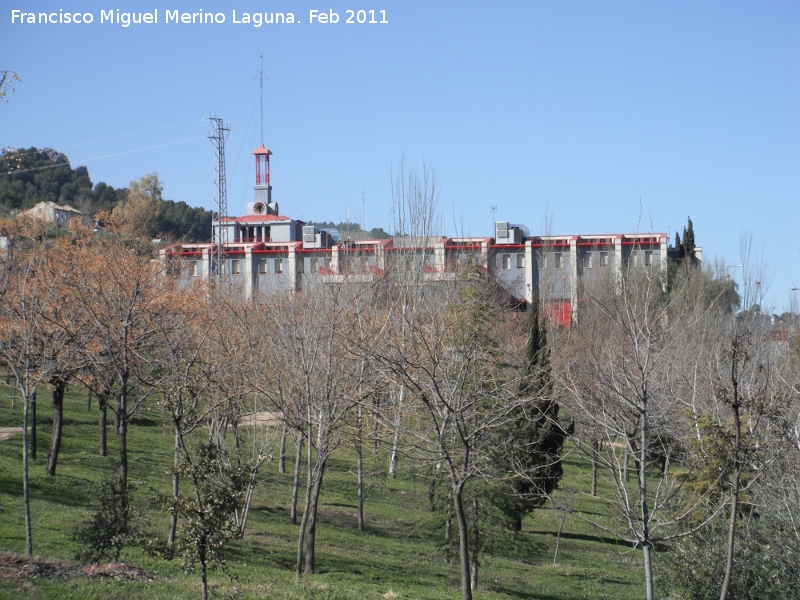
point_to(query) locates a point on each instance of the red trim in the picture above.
(465, 247)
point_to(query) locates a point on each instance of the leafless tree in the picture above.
(32, 344)
(619, 367)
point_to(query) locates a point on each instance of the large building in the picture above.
(263, 252)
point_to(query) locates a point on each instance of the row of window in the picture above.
(590, 260)
(264, 266)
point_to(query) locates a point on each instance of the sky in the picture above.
(567, 117)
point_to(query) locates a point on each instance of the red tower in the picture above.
(262, 165)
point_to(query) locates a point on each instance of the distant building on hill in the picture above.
(265, 252)
(52, 212)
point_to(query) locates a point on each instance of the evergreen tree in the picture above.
(530, 453)
(687, 245)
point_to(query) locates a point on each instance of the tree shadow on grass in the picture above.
(612, 541)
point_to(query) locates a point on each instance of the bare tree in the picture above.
(619, 370)
(31, 343)
(463, 378)
(124, 294)
(314, 383)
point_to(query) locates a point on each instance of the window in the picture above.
(326, 262)
(235, 266)
(634, 260)
(520, 261)
(559, 258)
(312, 265)
(543, 262)
(301, 266)
(604, 259)
(262, 266)
(648, 258)
(278, 266)
(587, 260)
(193, 269)
(506, 262)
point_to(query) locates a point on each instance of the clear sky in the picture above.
(609, 116)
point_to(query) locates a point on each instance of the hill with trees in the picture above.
(33, 175)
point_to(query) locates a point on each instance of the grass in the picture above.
(397, 557)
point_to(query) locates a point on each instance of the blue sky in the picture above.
(608, 116)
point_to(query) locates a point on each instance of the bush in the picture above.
(113, 527)
(766, 562)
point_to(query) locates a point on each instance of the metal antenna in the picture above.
(261, 82)
(494, 210)
(220, 233)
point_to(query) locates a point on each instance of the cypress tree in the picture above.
(531, 452)
(687, 247)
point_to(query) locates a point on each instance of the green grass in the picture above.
(397, 557)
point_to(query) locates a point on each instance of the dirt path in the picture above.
(261, 418)
(7, 432)
(16, 568)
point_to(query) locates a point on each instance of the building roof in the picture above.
(52, 205)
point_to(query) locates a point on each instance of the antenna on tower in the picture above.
(261, 85)
(494, 211)
(220, 233)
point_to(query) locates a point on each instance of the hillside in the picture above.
(400, 555)
(33, 175)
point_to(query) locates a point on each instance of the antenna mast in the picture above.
(261, 83)
(220, 231)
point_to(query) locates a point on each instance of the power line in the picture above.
(85, 160)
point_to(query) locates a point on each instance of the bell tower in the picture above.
(263, 188)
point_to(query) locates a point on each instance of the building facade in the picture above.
(52, 212)
(266, 252)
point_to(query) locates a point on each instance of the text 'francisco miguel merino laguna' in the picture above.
(257, 19)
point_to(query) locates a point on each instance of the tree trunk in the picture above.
(473, 582)
(102, 401)
(665, 464)
(26, 488)
(432, 491)
(643, 504)
(58, 423)
(648, 570)
(89, 400)
(737, 473)
(173, 519)
(396, 438)
(376, 402)
(203, 571)
(463, 543)
(296, 484)
(122, 418)
(626, 473)
(360, 468)
(301, 538)
(595, 461)
(33, 426)
(448, 523)
(311, 537)
(247, 501)
(282, 455)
